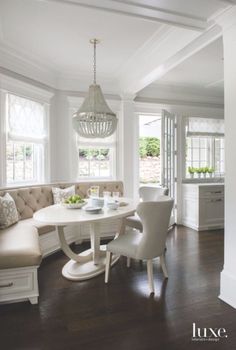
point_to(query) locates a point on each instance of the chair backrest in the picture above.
(155, 217)
(149, 193)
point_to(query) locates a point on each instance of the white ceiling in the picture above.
(58, 35)
(203, 70)
(52, 36)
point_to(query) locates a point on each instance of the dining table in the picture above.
(90, 262)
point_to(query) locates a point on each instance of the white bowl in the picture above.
(97, 202)
(113, 205)
(73, 205)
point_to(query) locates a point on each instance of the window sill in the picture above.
(202, 180)
(22, 184)
(96, 179)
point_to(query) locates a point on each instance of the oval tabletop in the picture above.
(58, 215)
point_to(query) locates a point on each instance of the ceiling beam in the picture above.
(167, 49)
(144, 12)
(231, 2)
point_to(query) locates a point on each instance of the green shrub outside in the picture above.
(149, 147)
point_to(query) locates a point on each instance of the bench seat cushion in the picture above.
(19, 246)
(41, 228)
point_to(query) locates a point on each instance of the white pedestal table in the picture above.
(91, 262)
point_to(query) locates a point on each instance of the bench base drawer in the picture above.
(19, 284)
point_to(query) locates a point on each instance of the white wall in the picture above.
(62, 149)
(228, 275)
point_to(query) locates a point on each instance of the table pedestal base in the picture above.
(80, 271)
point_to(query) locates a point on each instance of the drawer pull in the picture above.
(216, 192)
(216, 200)
(6, 285)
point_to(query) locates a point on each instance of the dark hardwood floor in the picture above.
(122, 315)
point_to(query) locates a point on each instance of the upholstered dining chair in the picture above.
(150, 244)
(146, 193)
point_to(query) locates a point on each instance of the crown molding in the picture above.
(170, 102)
(21, 88)
(165, 92)
(227, 18)
(17, 61)
(178, 88)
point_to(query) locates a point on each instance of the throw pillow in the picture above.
(60, 195)
(8, 211)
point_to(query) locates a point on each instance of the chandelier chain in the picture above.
(94, 61)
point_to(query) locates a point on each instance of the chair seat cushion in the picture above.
(126, 244)
(135, 222)
(19, 246)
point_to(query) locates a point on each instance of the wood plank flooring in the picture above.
(122, 315)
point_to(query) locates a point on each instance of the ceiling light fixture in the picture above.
(94, 119)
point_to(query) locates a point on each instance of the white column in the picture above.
(228, 275)
(130, 146)
(60, 138)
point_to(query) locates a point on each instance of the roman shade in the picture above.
(205, 127)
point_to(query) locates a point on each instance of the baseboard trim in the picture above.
(228, 288)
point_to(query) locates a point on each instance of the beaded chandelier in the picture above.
(94, 119)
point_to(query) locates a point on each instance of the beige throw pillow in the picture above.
(8, 211)
(60, 195)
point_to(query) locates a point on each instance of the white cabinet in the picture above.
(203, 206)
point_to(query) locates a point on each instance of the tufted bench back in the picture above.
(30, 199)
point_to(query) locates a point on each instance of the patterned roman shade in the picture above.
(205, 127)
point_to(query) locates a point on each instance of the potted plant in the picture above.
(210, 171)
(205, 171)
(191, 171)
(199, 171)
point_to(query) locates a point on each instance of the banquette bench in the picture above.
(24, 244)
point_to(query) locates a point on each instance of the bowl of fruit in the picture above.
(74, 202)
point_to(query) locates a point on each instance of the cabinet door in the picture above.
(211, 213)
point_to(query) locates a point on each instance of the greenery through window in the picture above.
(149, 148)
(204, 157)
(95, 162)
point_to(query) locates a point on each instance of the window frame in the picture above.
(36, 94)
(211, 156)
(74, 104)
(98, 145)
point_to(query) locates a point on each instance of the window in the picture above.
(149, 149)
(26, 136)
(204, 147)
(96, 157)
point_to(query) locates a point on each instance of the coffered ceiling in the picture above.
(48, 40)
(203, 70)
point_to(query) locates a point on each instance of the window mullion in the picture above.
(14, 160)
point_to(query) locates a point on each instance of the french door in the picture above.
(168, 155)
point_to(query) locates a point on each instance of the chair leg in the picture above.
(108, 265)
(150, 275)
(163, 265)
(128, 262)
